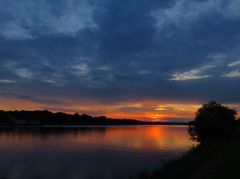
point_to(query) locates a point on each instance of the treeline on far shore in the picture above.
(45, 117)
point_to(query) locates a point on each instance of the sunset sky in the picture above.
(142, 59)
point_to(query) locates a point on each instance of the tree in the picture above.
(213, 122)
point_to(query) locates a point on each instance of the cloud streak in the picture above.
(235, 63)
(232, 74)
(194, 74)
(30, 19)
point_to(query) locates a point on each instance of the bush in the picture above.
(213, 122)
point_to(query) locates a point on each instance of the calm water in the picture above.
(88, 152)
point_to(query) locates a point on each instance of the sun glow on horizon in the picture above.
(141, 110)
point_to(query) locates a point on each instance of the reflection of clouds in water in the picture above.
(89, 152)
(122, 138)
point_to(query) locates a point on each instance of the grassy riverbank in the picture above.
(218, 160)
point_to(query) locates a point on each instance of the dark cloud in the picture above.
(112, 51)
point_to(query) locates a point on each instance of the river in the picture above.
(106, 152)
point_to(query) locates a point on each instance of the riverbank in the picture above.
(218, 160)
(44, 118)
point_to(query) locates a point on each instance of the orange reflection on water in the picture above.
(150, 137)
(142, 138)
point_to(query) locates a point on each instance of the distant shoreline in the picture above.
(83, 126)
(47, 118)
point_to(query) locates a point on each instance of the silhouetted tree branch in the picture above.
(213, 122)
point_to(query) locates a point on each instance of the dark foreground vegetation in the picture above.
(218, 160)
(216, 156)
(41, 118)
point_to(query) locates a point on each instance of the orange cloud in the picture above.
(143, 110)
